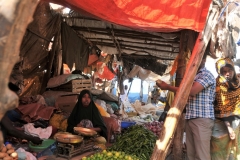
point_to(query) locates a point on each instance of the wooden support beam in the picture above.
(141, 47)
(15, 15)
(140, 42)
(137, 38)
(188, 37)
(129, 33)
(163, 55)
(143, 57)
(174, 114)
(169, 36)
(116, 43)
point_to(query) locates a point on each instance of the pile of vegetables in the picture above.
(154, 126)
(137, 140)
(105, 155)
(8, 153)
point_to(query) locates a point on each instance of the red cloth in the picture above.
(151, 15)
(107, 74)
(34, 111)
(92, 58)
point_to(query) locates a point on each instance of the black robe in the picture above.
(91, 113)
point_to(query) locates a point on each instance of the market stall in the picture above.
(49, 42)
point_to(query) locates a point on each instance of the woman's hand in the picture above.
(36, 140)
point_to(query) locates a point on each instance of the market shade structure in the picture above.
(150, 15)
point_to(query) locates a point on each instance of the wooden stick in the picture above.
(174, 114)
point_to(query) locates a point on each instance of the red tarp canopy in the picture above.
(151, 15)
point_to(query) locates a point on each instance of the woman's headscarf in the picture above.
(227, 91)
(226, 62)
(91, 113)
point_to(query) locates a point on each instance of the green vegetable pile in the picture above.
(137, 140)
(110, 155)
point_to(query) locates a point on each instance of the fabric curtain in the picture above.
(75, 50)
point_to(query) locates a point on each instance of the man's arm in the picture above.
(11, 130)
(196, 87)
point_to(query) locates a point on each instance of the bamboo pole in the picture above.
(174, 114)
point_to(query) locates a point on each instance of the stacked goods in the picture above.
(8, 153)
(154, 126)
(111, 155)
(102, 111)
(137, 140)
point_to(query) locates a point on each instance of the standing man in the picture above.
(199, 112)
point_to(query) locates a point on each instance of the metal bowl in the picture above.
(84, 131)
(69, 138)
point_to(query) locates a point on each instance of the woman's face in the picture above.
(86, 99)
(227, 72)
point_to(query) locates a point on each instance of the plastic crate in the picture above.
(127, 124)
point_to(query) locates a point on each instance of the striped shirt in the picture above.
(201, 105)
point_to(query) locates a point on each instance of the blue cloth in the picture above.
(14, 115)
(201, 105)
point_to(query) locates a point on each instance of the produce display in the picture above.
(154, 126)
(8, 153)
(109, 155)
(136, 140)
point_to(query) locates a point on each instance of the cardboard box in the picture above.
(66, 103)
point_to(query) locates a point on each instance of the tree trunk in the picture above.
(188, 38)
(174, 114)
(15, 15)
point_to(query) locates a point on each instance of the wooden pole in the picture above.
(15, 15)
(141, 91)
(188, 37)
(174, 114)
(129, 88)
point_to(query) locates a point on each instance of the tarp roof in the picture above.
(151, 15)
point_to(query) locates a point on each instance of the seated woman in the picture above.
(227, 108)
(86, 114)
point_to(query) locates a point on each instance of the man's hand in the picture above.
(162, 85)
